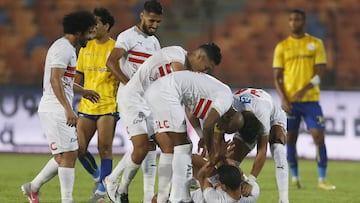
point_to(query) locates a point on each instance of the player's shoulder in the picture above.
(312, 38)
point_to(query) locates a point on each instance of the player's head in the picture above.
(297, 21)
(252, 127)
(229, 177)
(81, 24)
(204, 58)
(104, 20)
(231, 121)
(151, 17)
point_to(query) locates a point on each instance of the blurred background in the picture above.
(246, 30)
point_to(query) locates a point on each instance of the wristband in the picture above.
(217, 130)
(252, 178)
(315, 80)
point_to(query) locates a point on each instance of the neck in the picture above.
(72, 39)
(103, 39)
(297, 35)
(235, 194)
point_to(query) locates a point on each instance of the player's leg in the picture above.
(293, 125)
(277, 147)
(315, 121)
(86, 127)
(106, 130)
(182, 168)
(132, 164)
(165, 166)
(148, 167)
(66, 172)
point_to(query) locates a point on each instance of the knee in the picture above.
(105, 151)
(138, 154)
(81, 151)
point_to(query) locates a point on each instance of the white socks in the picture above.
(165, 175)
(281, 171)
(119, 169)
(182, 173)
(130, 171)
(149, 174)
(66, 178)
(47, 173)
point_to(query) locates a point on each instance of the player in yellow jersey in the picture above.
(101, 116)
(299, 62)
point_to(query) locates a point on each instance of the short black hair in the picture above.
(153, 6)
(230, 176)
(252, 128)
(299, 11)
(79, 21)
(213, 51)
(105, 16)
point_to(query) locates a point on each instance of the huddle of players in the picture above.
(160, 92)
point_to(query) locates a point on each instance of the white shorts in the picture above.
(61, 137)
(136, 115)
(279, 118)
(168, 112)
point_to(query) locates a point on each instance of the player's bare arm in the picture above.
(260, 157)
(56, 83)
(90, 95)
(113, 64)
(279, 85)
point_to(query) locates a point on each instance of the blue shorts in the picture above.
(96, 117)
(311, 112)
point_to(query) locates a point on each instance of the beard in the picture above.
(146, 30)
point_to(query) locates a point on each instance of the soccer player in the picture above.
(100, 116)
(56, 114)
(273, 120)
(298, 65)
(136, 113)
(204, 97)
(133, 46)
(222, 183)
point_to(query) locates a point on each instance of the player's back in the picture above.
(156, 66)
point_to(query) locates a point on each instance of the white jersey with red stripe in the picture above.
(199, 92)
(138, 45)
(61, 54)
(132, 101)
(262, 105)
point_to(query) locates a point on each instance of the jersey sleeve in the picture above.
(60, 58)
(212, 196)
(124, 41)
(320, 57)
(278, 60)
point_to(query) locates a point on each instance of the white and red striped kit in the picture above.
(134, 109)
(199, 92)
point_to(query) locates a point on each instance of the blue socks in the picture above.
(89, 163)
(321, 159)
(106, 167)
(292, 159)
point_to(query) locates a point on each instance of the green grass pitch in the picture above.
(17, 169)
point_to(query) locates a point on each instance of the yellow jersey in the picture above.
(297, 58)
(92, 63)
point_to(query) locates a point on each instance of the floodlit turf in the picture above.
(17, 169)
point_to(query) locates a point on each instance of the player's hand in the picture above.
(91, 96)
(286, 106)
(71, 118)
(202, 148)
(299, 94)
(245, 189)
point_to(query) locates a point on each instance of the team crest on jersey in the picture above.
(140, 118)
(311, 46)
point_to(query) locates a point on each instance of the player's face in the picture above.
(230, 122)
(150, 22)
(85, 37)
(101, 29)
(296, 23)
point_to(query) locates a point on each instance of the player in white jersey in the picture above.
(55, 111)
(136, 113)
(273, 118)
(224, 183)
(133, 46)
(206, 98)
